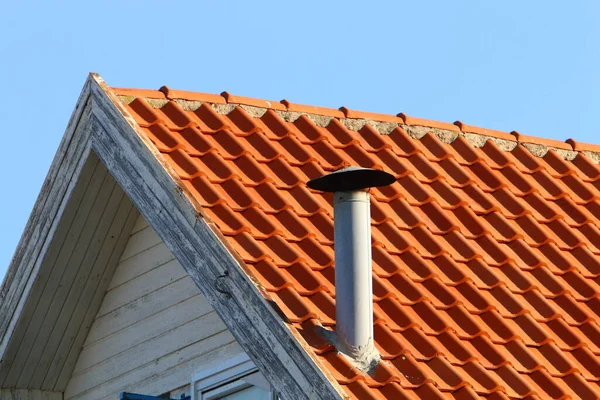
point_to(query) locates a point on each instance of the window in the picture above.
(137, 396)
(236, 378)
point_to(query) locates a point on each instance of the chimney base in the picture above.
(365, 358)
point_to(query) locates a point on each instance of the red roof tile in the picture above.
(483, 131)
(147, 93)
(192, 96)
(425, 122)
(248, 101)
(485, 261)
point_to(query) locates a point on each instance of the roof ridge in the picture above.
(445, 131)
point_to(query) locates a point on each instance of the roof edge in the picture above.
(355, 120)
(139, 168)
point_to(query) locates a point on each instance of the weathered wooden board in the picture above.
(175, 367)
(59, 377)
(145, 261)
(60, 288)
(152, 187)
(146, 353)
(144, 330)
(27, 394)
(148, 311)
(141, 286)
(140, 224)
(141, 308)
(45, 216)
(70, 293)
(140, 241)
(94, 289)
(55, 264)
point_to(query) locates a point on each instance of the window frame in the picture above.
(227, 377)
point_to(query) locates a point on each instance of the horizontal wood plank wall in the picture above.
(153, 329)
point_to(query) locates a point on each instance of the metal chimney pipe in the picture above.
(352, 242)
(353, 281)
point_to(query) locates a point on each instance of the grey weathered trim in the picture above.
(98, 125)
(43, 221)
(254, 323)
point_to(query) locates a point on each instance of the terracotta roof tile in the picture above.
(483, 131)
(583, 146)
(140, 93)
(248, 101)
(354, 114)
(428, 123)
(302, 108)
(542, 141)
(172, 94)
(485, 256)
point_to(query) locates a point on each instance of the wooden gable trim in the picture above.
(98, 125)
(56, 190)
(53, 288)
(152, 186)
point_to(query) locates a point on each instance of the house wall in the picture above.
(153, 329)
(64, 291)
(26, 394)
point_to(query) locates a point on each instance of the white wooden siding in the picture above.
(73, 277)
(153, 329)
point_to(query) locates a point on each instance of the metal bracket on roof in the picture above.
(219, 283)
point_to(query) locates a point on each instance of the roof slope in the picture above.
(486, 271)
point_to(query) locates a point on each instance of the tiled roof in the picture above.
(485, 251)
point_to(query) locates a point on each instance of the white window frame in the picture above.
(226, 377)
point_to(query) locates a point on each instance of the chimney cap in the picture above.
(350, 179)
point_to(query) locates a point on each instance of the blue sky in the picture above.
(511, 65)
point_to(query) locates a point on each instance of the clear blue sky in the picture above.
(530, 66)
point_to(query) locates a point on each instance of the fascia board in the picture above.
(152, 186)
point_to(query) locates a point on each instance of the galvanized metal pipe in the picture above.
(353, 269)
